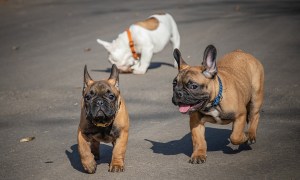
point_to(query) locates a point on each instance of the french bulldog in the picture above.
(133, 49)
(230, 91)
(104, 118)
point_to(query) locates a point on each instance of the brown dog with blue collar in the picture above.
(230, 91)
(104, 118)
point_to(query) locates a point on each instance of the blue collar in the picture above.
(219, 96)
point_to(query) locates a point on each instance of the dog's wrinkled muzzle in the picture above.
(99, 114)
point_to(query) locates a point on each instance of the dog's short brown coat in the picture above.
(115, 132)
(242, 77)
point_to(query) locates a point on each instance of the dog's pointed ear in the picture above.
(87, 80)
(209, 61)
(180, 62)
(114, 76)
(105, 44)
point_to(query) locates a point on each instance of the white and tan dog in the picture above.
(133, 49)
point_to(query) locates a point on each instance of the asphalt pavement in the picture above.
(44, 46)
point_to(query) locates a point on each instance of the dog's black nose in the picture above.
(179, 94)
(100, 103)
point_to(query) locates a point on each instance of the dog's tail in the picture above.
(175, 38)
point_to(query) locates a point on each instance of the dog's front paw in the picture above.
(116, 168)
(199, 159)
(90, 167)
(135, 71)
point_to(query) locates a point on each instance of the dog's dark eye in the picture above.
(174, 82)
(192, 85)
(111, 97)
(87, 97)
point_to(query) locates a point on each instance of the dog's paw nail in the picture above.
(116, 169)
(198, 160)
(111, 169)
(249, 142)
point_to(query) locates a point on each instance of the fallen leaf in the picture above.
(48, 162)
(15, 48)
(27, 139)
(87, 49)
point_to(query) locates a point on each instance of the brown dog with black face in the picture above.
(230, 91)
(104, 118)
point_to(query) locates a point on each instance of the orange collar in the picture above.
(135, 55)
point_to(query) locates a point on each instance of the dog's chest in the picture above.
(218, 116)
(215, 114)
(103, 134)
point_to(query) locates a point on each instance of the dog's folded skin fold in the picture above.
(234, 90)
(104, 118)
(149, 37)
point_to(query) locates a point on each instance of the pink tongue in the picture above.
(184, 108)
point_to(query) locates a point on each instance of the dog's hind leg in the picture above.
(253, 123)
(175, 37)
(253, 111)
(238, 136)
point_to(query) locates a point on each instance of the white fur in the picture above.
(146, 43)
(214, 114)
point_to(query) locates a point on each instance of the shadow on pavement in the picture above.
(217, 140)
(153, 65)
(181, 146)
(73, 156)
